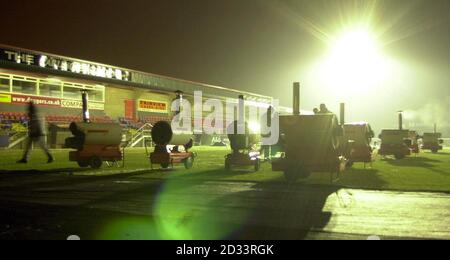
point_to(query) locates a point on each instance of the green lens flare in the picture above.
(183, 212)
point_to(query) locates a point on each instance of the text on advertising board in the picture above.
(62, 64)
(46, 101)
(152, 106)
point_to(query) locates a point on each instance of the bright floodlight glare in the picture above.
(254, 127)
(355, 63)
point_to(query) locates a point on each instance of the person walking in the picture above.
(36, 135)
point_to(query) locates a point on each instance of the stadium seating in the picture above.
(17, 117)
(129, 123)
(154, 119)
(136, 124)
(8, 118)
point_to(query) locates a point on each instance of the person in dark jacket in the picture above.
(36, 135)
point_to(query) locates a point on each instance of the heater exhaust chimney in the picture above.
(342, 117)
(435, 128)
(85, 100)
(179, 99)
(296, 104)
(241, 109)
(239, 128)
(400, 120)
(269, 116)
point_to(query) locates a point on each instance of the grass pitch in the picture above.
(426, 172)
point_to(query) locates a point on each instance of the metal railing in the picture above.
(17, 139)
(142, 135)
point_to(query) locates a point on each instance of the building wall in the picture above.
(115, 98)
(114, 101)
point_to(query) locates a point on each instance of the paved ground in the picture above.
(133, 206)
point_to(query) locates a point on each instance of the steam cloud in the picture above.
(430, 114)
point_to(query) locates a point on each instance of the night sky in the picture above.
(254, 45)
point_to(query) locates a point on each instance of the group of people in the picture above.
(323, 110)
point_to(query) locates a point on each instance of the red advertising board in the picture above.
(130, 109)
(152, 106)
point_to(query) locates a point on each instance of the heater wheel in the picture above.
(290, 175)
(257, 165)
(165, 165)
(295, 172)
(434, 150)
(399, 156)
(83, 164)
(349, 164)
(188, 162)
(227, 164)
(96, 162)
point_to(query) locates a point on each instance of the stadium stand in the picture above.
(8, 118)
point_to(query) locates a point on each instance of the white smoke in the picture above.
(430, 114)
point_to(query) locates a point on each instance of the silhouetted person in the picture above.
(36, 135)
(324, 109)
(316, 111)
